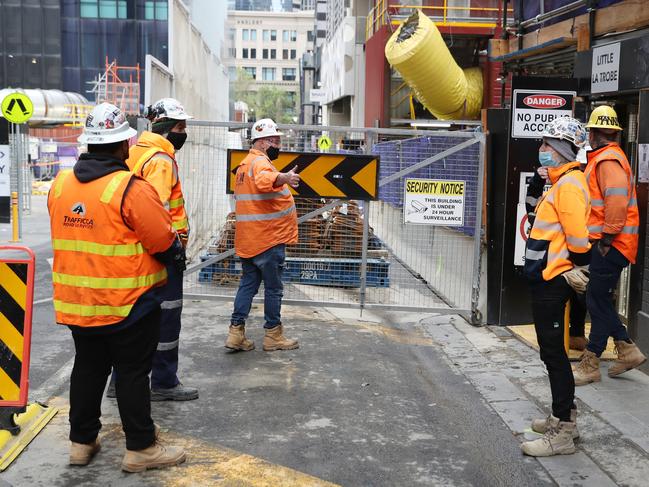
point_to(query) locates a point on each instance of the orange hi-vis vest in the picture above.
(100, 267)
(559, 237)
(139, 156)
(263, 218)
(627, 240)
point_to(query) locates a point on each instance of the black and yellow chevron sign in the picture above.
(13, 303)
(344, 176)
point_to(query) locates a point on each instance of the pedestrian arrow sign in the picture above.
(344, 176)
(17, 108)
(324, 143)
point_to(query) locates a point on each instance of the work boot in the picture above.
(178, 393)
(82, 453)
(629, 357)
(577, 343)
(237, 339)
(275, 340)
(155, 456)
(557, 440)
(543, 425)
(587, 370)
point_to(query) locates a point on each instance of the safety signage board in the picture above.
(17, 107)
(434, 202)
(324, 143)
(605, 70)
(5, 167)
(535, 108)
(522, 224)
(344, 176)
(16, 294)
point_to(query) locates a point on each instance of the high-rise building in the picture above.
(263, 5)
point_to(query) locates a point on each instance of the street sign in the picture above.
(344, 176)
(317, 95)
(17, 108)
(324, 143)
(605, 69)
(532, 109)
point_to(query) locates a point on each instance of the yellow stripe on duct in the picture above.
(417, 50)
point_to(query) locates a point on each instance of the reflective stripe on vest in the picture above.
(262, 196)
(97, 248)
(92, 310)
(109, 282)
(176, 203)
(265, 216)
(58, 184)
(180, 224)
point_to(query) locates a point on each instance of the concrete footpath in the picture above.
(386, 399)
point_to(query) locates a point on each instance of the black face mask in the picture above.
(272, 152)
(177, 139)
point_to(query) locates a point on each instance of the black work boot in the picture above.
(178, 393)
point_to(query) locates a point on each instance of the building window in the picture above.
(264, 53)
(245, 53)
(252, 72)
(285, 35)
(232, 52)
(273, 53)
(309, 36)
(266, 35)
(288, 74)
(253, 53)
(321, 16)
(253, 34)
(232, 34)
(245, 35)
(268, 74)
(284, 53)
(156, 10)
(273, 35)
(103, 9)
(293, 54)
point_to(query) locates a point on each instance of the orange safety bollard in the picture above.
(19, 422)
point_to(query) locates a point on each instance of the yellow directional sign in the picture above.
(344, 176)
(324, 143)
(17, 108)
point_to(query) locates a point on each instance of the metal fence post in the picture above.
(476, 316)
(366, 233)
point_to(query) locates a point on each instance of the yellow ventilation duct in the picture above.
(417, 50)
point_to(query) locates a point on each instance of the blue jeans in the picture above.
(604, 276)
(267, 267)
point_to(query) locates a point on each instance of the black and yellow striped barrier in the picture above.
(19, 422)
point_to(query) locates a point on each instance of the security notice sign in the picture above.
(434, 202)
(535, 108)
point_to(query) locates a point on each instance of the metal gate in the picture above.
(350, 253)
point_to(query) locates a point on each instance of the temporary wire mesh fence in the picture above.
(350, 253)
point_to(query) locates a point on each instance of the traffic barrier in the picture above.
(20, 422)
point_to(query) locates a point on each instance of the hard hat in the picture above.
(604, 117)
(166, 108)
(566, 128)
(264, 128)
(106, 124)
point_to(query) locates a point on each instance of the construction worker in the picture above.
(266, 220)
(577, 339)
(613, 227)
(153, 158)
(556, 255)
(112, 239)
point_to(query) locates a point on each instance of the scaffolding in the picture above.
(119, 85)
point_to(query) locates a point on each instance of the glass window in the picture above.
(285, 35)
(293, 54)
(252, 72)
(149, 10)
(231, 34)
(268, 74)
(288, 74)
(232, 52)
(89, 9)
(273, 53)
(253, 34)
(245, 35)
(264, 53)
(245, 53)
(284, 53)
(273, 35)
(266, 35)
(253, 53)
(161, 10)
(309, 36)
(293, 35)
(121, 9)
(107, 9)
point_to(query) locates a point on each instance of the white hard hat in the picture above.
(106, 124)
(167, 108)
(264, 128)
(566, 128)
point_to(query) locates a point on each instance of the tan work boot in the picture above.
(237, 339)
(587, 370)
(557, 440)
(577, 343)
(543, 425)
(629, 357)
(155, 456)
(275, 340)
(82, 453)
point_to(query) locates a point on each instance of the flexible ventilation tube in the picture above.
(417, 50)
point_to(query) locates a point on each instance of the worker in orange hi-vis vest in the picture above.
(613, 228)
(266, 220)
(112, 239)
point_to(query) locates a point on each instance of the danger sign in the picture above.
(434, 202)
(533, 109)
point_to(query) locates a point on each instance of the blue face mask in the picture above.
(545, 158)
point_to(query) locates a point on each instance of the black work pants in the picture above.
(130, 352)
(548, 307)
(578, 312)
